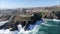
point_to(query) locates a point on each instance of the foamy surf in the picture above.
(55, 20)
(50, 26)
(3, 22)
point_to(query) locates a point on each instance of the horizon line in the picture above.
(29, 7)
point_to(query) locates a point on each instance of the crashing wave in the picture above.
(50, 26)
(3, 22)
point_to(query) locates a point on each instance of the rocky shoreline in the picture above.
(26, 20)
(13, 24)
(37, 16)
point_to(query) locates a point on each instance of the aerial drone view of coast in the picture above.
(29, 16)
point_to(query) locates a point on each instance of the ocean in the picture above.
(49, 26)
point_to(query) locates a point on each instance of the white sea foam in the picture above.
(20, 30)
(55, 20)
(34, 31)
(3, 22)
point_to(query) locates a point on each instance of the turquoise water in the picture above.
(50, 26)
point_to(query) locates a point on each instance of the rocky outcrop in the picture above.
(10, 25)
(13, 24)
(36, 17)
(57, 13)
(50, 15)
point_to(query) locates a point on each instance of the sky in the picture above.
(27, 3)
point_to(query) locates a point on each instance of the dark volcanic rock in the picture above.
(57, 13)
(23, 23)
(36, 17)
(10, 25)
(13, 24)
